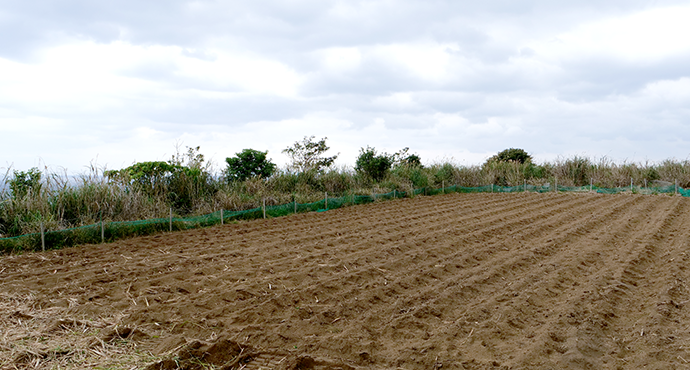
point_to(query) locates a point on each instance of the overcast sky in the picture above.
(116, 82)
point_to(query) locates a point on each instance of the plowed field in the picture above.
(460, 281)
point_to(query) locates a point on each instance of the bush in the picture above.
(372, 164)
(25, 183)
(308, 156)
(512, 155)
(247, 164)
(445, 173)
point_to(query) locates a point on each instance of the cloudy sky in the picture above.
(114, 82)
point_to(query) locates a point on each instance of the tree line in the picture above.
(185, 183)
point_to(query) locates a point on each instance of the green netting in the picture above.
(110, 231)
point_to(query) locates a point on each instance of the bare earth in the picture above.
(460, 281)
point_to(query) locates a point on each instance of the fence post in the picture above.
(43, 237)
(556, 187)
(591, 182)
(170, 218)
(524, 185)
(492, 188)
(221, 216)
(676, 180)
(263, 207)
(326, 200)
(443, 186)
(395, 196)
(645, 183)
(102, 230)
(631, 184)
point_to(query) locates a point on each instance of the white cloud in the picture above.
(646, 36)
(446, 79)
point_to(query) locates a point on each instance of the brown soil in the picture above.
(461, 281)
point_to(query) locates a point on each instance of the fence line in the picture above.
(110, 231)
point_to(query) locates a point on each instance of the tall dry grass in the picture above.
(63, 202)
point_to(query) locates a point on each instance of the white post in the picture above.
(631, 184)
(263, 207)
(221, 216)
(645, 183)
(43, 237)
(170, 218)
(326, 200)
(591, 182)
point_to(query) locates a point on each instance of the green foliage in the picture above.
(182, 181)
(372, 164)
(512, 155)
(151, 177)
(419, 178)
(249, 163)
(445, 174)
(25, 183)
(403, 158)
(307, 155)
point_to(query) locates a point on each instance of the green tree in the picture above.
(372, 164)
(512, 154)
(403, 158)
(308, 155)
(25, 183)
(247, 164)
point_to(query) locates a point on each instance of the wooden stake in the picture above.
(221, 216)
(43, 237)
(102, 229)
(326, 200)
(264, 206)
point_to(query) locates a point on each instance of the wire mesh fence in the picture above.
(111, 231)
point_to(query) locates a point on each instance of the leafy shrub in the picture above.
(372, 164)
(445, 173)
(308, 156)
(512, 155)
(25, 183)
(249, 163)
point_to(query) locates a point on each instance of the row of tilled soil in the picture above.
(458, 281)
